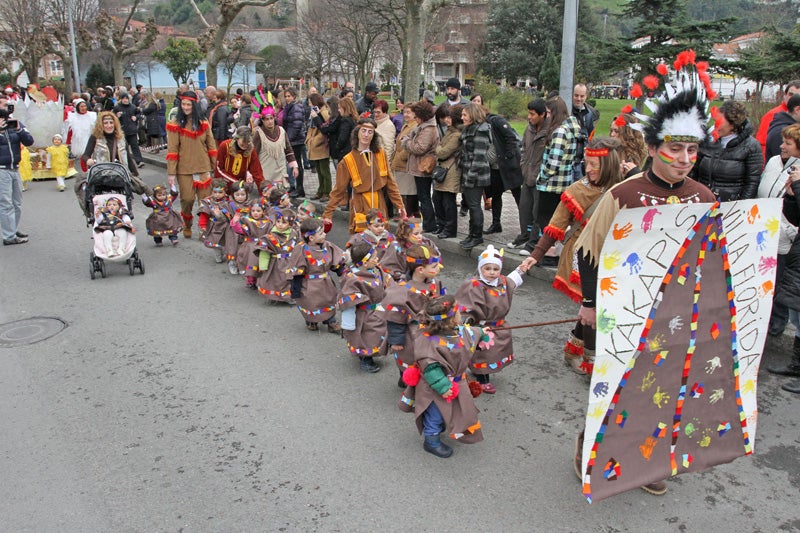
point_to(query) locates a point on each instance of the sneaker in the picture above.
(159, 244)
(232, 267)
(488, 388)
(21, 235)
(442, 451)
(218, 255)
(334, 327)
(174, 241)
(312, 326)
(524, 252)
(368, 364)
(659, 488)
(14, 240)
(140, 164)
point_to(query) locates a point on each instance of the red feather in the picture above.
(636, 91)
(627, 109)
(662, 69)
(620, 121)
(651, 82)
(702, 66)
(691, 56)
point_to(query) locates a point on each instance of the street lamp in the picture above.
(73, 48)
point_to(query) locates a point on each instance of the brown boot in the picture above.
(573, 355)
(588, 361)
(187, 225)
(187, 233)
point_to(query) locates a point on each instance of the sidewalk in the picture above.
(509, 220)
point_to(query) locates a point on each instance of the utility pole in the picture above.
(569, 36)
(76, 76)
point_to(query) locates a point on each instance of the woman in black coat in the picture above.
(731, 165)
(150, 109)
(339, 128)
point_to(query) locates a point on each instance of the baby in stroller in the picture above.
(114, 227)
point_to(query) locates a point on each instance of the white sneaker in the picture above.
(218, 255)
(232, 267)
(60, 183)
(523, 252)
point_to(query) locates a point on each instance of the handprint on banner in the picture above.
(601, 389)
(716, 396)
(656, 344)
(761, 240)
(749, 386)
(621, 233)
(767, 263)
(713, 364)
(646, 449)
(601, 370)
(605, 321)
(598, 412)
(608, 286)
(634, 263)
(772, 225)
(766, 289)
(610, 261)
(675, 323)
(647, 219)
(660, 398)
(753, 214)
(648, 380)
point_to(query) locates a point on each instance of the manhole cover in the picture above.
(29, 330)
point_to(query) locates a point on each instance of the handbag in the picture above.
(440, 173)
(427, 164)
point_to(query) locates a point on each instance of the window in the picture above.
(56, 67)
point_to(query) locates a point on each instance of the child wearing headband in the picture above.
(363, 320)
(275, 249)
(163, 220)
(405, 301)
(239, 205)
(438, 379)
(251, 227)
(485, 300)
(409, 233)
(373, 232)
(213, 217)
(310, 269)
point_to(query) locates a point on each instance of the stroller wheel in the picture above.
(102, 268)
(141, 266)
(92, 270)
(131, 267)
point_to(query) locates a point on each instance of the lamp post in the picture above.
(569, 35)
(73, 49)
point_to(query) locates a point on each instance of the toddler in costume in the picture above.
(214, 216)
(163, 220)
(114, 223)
(374, 232)
(485, 300)
(274, 250)
(442, 397)
(310, 266)
(25, 167)
(363, 320)
(305, 210)
(409, 233)
(58, 160)
(405, 303)
(240, 204)
(251, 227)
(276, 198)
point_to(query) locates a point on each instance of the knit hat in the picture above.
(490, 256)
(681, 112)
(453, 82)
(371, 87)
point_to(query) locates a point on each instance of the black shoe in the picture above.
(293, 194)
(14, 240)
(369, 365)
(519, 240)
(465, 240)
(22, 235)
(443, 450)
(785, 370)
(548, 261)
(472, 243)
(140, 164)
(463, 213)
(447, 235)
(494, 228)
(793, 386)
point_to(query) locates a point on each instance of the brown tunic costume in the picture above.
(368, 174)
(233, 239)
(379, 243)
(214, 234)
(315, 263)
(488, 306)
(246, 257)
(163, 221)
(453, 352)
(393, 260)
(364, 289)
(277, 246)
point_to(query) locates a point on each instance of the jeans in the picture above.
(472, 196)
(297, 183)
(133, 142)
(444, 203)
(432, 421)
(528, 199)
(10, 202)
(425, 203)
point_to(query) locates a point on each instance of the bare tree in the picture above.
(231, 61)
(122, 40)
(315, 41)
(85, 14)
(213, 41)
(22, 36)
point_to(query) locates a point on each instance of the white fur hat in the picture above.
(490, 256)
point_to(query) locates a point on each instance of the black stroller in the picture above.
(105, 181)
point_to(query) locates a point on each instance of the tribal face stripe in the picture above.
(665, 157)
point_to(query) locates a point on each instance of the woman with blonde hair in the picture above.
(633, 148)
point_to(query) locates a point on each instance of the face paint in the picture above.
(666, 158)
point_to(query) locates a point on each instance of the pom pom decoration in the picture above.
(326, 226)
(662, 69)
(455, 388)
(411, 376)
(651, 82)
(620, 121)
(636, 91)
(627, 109)
(475, 389)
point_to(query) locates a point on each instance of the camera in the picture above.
(12, 124)
(10, 108)
(316, 109)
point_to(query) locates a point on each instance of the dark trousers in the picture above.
(299, 150)
(444, 203)
(528, 204)
(472, 196)
(546, 206)
(133, 142)
(780, 313)
(585, 333)
(425, 202)
(495, 192)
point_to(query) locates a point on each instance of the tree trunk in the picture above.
(118, 69)
(415, 30)
(211, 70)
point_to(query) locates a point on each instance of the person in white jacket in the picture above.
(81, 124)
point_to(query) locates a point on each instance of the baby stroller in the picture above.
(105, 181)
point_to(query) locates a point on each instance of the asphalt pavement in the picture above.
(178, 400)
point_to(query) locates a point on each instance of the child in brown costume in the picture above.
(213, 217)
(409, 233)
(485, 300)
(405, 302)
(310, 270)
(443, 401)
(251, 227)
(240, 204)
(163, 220)
(363, 320)
(274, 253)
(374, 234)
